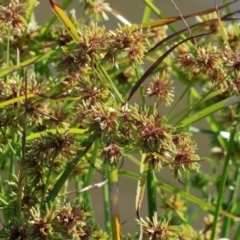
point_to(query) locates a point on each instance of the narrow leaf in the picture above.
(141, 185)
(15, 100)
(207, 111)
(76, 131)
(29, 62)
(165, 21)
(65, 20)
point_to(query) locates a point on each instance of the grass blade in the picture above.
(65, 20)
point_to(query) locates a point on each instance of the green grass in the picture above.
(60, 129)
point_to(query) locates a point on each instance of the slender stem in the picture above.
(78, 185)
(151, 194)
(224, 174)
(88, 177)
(113, 195)
(147, 12)
(237, 234)
(106, 204)
(181, 97)
(112, 85)
(70, 167)
(48, 177)
(231, 200)
(22, 164)
(4, 211)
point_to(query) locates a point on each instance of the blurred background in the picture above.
(133, 11)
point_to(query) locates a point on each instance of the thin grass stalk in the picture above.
(48, 177)
(141, 184)
(13, 157)
(65, 175)
(88, 178)
(237, 234)
(21, 180)
(106, 203)
(151, 194)
(224, 174)
(232, 199)
(183, 94)
(147, 12)
(111, 84)
(78, 186)
(5, 215)
(151, 7)
(201, 99)
(113, 197)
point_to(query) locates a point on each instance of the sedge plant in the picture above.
(67, 111)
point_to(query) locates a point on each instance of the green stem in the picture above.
(231, 200)
(193, 80)
(112, 85)
(113, 195)
(224, 174)
(48, 177)
(147, 12)
(106, 204)
(78, 185)
(70, 167)
(88, 177)
(4, 211)
(151, 194)
(237, 234)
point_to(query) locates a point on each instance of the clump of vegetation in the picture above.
(60, 127)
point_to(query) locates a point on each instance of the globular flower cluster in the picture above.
(96, 9)
(161, 88)
(134, 129)
(162, 142)
(153, 131)
(206, 60)
(159, 229)
(51, 145)
(185, 155)
(205, 233)
(49, 150)
(175, 204)
(13, 15)
(64, 221)
(111, 154)
(102, 120)
(96, 45)
(157, 34)
(221, 64)
(91, 91)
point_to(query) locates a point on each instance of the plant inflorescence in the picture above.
(67, 112)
